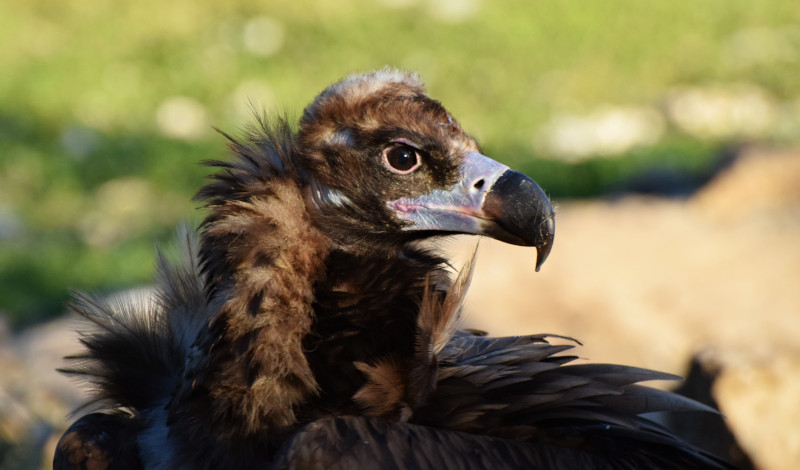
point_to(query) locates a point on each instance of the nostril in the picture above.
(478, 184)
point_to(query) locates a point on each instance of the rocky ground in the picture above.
(642, 281)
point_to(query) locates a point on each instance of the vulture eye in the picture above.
(401, 159)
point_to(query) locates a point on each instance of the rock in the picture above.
(35, 399)
(708, 431)
(760, 183)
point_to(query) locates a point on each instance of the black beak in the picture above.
(489, 199)
(519, 212)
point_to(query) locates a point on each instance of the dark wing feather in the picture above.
(99, 441)
(128, 357)
(358, 442)
(522, 388)
(136, 348)
(374, 443)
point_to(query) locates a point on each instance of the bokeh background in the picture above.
(666, 131)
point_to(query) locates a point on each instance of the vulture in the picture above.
(310, 321)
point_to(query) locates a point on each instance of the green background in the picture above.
(91, 179)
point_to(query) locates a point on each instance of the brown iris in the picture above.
(401, 158)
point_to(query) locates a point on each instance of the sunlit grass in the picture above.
(84, 83)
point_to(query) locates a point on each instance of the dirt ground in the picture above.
(640, 281)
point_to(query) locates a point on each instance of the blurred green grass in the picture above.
(90, 181)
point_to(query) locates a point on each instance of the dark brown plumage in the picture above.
(311, 326)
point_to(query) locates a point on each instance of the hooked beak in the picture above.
(490, 199)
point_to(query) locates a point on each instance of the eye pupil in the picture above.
(402, 158)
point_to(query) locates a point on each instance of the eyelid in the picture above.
(407, 142)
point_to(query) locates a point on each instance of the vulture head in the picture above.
(386, 165)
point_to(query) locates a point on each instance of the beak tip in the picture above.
(541, 255)
(548, 234)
